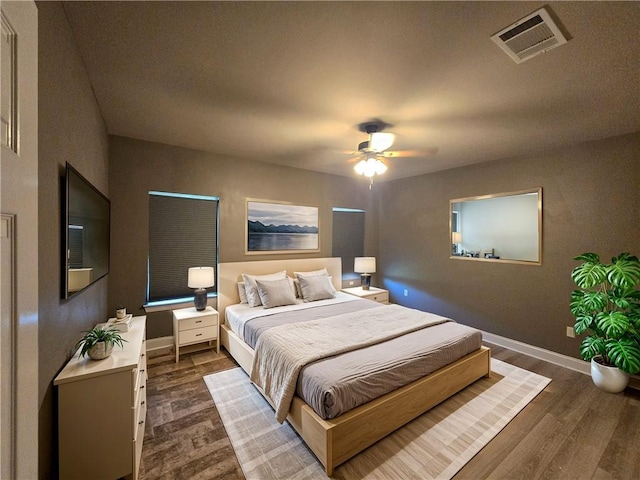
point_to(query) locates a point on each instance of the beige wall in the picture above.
(136, 167)
(70, 129)
(590, 203)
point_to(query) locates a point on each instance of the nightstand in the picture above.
(377, 294)
(191, 326)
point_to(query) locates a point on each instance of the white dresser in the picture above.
(102, 409)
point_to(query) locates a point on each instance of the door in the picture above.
(19, 242)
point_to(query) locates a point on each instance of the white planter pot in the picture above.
(100, 350)
(608, 379)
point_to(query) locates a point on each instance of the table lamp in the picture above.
(201, 278)
(365, 266)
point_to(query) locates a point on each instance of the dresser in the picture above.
(191, 326)
(377, 294)
(102, 409)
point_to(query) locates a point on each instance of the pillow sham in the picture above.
(322, 271)
(251, 289)
(275, 293)
(296, 285)
(315, 287)
(242, 292)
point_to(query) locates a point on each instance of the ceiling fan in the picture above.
(372, 152)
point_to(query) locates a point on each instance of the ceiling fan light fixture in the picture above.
(380, 167)
(370, 167)
(380, 141)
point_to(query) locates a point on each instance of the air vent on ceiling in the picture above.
(530, 36)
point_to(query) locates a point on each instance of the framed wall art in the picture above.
(281, 227)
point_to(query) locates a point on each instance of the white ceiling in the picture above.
(289, 82)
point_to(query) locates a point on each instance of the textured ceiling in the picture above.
(289, 82)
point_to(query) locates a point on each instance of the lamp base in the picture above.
(365, 281)
(200, 299)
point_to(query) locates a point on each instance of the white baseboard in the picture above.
(539, 353)
(160, 343)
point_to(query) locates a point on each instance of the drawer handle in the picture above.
(198, 321)
(141, 387)
(142, 371)
(142, 403)
(198, 334)
(140, 422)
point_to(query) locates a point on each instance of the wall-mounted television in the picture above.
(85, 232)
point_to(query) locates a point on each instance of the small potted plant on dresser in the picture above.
(98, 342)
(607, 307)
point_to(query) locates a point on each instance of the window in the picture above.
(183, 233)
(348, 239)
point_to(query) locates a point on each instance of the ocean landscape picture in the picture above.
(280, 227)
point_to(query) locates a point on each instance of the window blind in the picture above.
(348, 238)
(183, 233)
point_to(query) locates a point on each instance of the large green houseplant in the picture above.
(606, 307)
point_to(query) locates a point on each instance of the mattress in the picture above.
(335, 385)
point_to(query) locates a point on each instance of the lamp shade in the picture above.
(201, 277)
(364, 265)
(456, 237)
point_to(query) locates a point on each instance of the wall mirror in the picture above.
(502, 227)
(85, 258)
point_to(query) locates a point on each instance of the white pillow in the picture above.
(322, 271)
(251, 289)
(242, 292)
(275, 293)
(296, 285)
(315, 287)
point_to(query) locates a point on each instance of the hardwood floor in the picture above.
(571, 430)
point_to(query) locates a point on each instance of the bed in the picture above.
(335, 440)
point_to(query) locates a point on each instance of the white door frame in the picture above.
(19, 199)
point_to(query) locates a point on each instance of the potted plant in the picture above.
(607, 307)
(98, 342)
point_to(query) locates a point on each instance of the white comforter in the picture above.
(283, 351)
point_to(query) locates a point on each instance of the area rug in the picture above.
(435, 445)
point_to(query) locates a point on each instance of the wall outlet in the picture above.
(406, 292)
(571, 332)
(351, 282)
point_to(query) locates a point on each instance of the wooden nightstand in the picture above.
(377, 294)
(191, 326)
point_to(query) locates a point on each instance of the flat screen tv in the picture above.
(85, 230)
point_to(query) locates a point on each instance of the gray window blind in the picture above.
(183, 233)
(348, 238)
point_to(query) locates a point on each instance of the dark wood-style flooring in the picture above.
(571, 430)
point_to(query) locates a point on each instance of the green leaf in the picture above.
(590, 347)
(624, 271)
(589, 274)
(588, 257)
(613, 324)
(594, 301)
(583, 323)
(625, 354)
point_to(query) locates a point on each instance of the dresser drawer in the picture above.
(382, 297)
(203, 334)
(198, 322)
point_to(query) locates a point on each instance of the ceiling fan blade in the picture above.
(409, 153)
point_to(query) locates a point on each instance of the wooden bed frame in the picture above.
(335, 441)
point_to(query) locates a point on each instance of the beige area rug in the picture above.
(435, 445)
